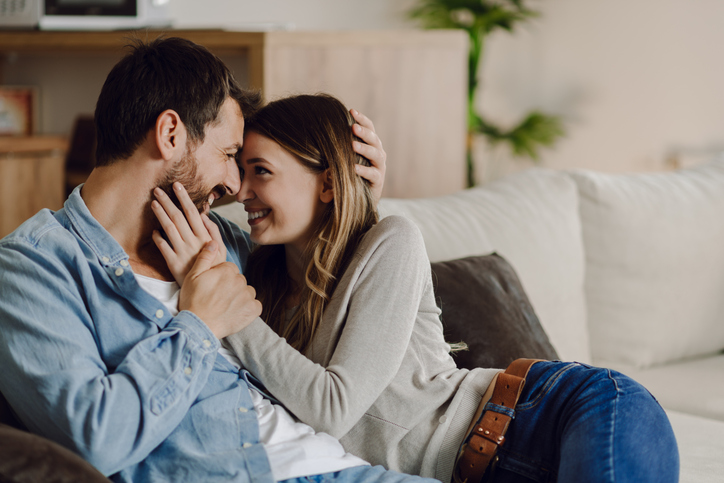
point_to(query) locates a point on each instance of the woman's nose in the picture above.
(245, 192)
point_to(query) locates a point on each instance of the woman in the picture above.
(353, 344)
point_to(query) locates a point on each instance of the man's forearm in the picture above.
(57, 382)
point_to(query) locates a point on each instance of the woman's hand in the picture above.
(187, 232)
(370, 149)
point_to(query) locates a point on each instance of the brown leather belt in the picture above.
(488, 433)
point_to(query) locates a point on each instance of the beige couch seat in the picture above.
(694, 386)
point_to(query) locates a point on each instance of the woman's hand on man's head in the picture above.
(372, 150)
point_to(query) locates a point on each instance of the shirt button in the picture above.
(188, 371)
(119, 272)
(247, 445)
(124, 263)
(442, 419)
(243, 410)
(159, 312)
(207, 343)
(105, 259)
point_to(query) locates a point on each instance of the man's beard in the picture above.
(186, 173)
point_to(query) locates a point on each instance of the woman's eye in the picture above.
(260, 170)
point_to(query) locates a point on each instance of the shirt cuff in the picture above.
(196, 329)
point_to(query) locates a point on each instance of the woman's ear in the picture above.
(170, 135)
(327, 193)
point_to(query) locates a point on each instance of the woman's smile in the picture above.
(256, 217)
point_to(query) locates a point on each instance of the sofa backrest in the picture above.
(532, 220)
(654, 248)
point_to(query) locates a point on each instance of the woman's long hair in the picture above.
(316, 129)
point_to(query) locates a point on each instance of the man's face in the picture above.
(209, 171)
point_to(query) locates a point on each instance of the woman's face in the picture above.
(283, 198)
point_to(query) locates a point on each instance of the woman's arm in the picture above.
(384, 286)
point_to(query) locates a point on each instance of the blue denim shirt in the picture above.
(95, 363)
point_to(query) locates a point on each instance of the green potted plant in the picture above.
(479, 18)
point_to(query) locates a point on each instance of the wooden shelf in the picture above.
(113, 41)
(31, 144)
(110, 41)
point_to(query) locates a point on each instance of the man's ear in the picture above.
(327, 193)
(170, 134)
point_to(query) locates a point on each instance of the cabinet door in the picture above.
(29, 183)
(412, 85)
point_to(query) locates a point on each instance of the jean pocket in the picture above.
(541, 381)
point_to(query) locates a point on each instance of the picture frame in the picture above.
(18, 110)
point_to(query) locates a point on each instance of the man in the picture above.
(97, 352)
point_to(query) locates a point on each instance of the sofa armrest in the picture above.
(25, 457)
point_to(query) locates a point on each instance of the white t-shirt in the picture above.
(294, 449)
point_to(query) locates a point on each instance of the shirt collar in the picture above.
(97, 238)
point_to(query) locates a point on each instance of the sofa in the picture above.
(622, 271)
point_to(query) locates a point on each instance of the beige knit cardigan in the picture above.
(378, 374)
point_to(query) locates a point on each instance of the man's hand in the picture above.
(218, 295)
(370, 149)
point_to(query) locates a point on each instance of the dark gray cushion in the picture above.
(484, 305)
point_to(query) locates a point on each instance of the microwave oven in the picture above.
(84, 14)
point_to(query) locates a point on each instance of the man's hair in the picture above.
(166, 73)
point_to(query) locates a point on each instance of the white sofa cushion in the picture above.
(532, 220)
(692, 386)
(701, 446)
(654, 263)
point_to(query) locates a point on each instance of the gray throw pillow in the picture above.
(483, 304)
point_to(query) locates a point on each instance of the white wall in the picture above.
(638, 82)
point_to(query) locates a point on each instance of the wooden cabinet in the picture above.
(31, 178)
(412, 84)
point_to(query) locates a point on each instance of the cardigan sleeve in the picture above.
(391, 271)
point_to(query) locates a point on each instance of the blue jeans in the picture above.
(362, 474)
(576, 423)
